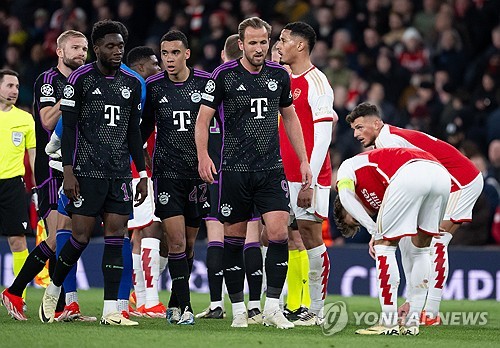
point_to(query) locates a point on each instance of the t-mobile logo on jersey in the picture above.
(112, 113)
(259, 108)
(182, 119)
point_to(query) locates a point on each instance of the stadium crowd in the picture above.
(404, 75)
(430, 65)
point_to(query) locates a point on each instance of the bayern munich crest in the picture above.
(196, 96)
(272, 85)
(126, 92)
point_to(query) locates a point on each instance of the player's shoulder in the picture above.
(130, 74)
(48, 76)
(318, 80)
(154, 78)
(224, 68)
(273, 65)
(80, 72)
(201, 74)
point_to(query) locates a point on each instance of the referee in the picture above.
(17, 133)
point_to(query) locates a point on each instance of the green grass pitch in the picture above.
(218, 333)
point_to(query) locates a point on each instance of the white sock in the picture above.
(254, 304)
(420, 280)
(264, 278)
(109, 307)
(71, 297)
(405, 246)
(271, 304)
(53, 290)
(122, 305)
(150, 255)
(239, 308)
(439, 273)
(216, 304)
(163, 264)
(388, 283)
(319, 271)
(139, 285)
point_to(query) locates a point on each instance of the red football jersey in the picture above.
(313, 102)
(372, 171)
(461, 169)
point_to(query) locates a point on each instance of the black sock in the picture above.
(276, 267)
(179, 272)
(32, 266)
(234, 267)
(253, 270)
(68, 256)
(112, 266)
(215, 254)
(174, 301)
(62, 295)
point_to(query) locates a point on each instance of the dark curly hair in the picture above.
(339, 213)
(103, 28)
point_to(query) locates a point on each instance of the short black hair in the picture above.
(303, 30)
(4, 72)
(124, 30)
(139, 53)
(103, 28)
(175, 35)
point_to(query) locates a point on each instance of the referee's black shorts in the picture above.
(14, 219)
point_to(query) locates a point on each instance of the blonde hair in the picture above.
(67, 35)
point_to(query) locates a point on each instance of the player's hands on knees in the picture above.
(71, 186)
(304, 199)
(206, 169)
(141, 192)
(371, 249)
(305, 170)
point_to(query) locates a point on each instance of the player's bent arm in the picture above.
(322, 140)
(49, 115)
(348, 199)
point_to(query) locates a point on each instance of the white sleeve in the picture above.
(322, 140)
(356, 210)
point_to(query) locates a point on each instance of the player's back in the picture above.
(461, 169)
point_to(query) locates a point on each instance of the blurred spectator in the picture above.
(450, 56)
(69, 16)
(162, 21)
(293, 10)
(494, 158)
(249, 9)
(493, 126)
(40, 26)
(336, 71)
(405, 9)
(396, 29)
(391, 76)
(425, 18)
(319, 55)
(388, 112)
(368, 51)
(342, 41)
(485, 99)
(17, 34)
(432, 107)
(343, 17)
(324, 17)
(412, 54)
(374, 15)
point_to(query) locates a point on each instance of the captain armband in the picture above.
(345, 184)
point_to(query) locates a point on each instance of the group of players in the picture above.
(217, 152)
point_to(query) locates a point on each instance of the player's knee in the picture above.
(17, 243)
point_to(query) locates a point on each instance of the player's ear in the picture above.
(188, 54)
(240, 44)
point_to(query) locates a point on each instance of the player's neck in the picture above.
(106, 70)
(301, 66)
(182, 76)
(250, 67)
(64, 69)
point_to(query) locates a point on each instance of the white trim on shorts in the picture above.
(461, 202)
(407, 207)
(320, 203)
(143, 214)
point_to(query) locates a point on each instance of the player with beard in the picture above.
(252, 91)
(101, 114)
(71, 50)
